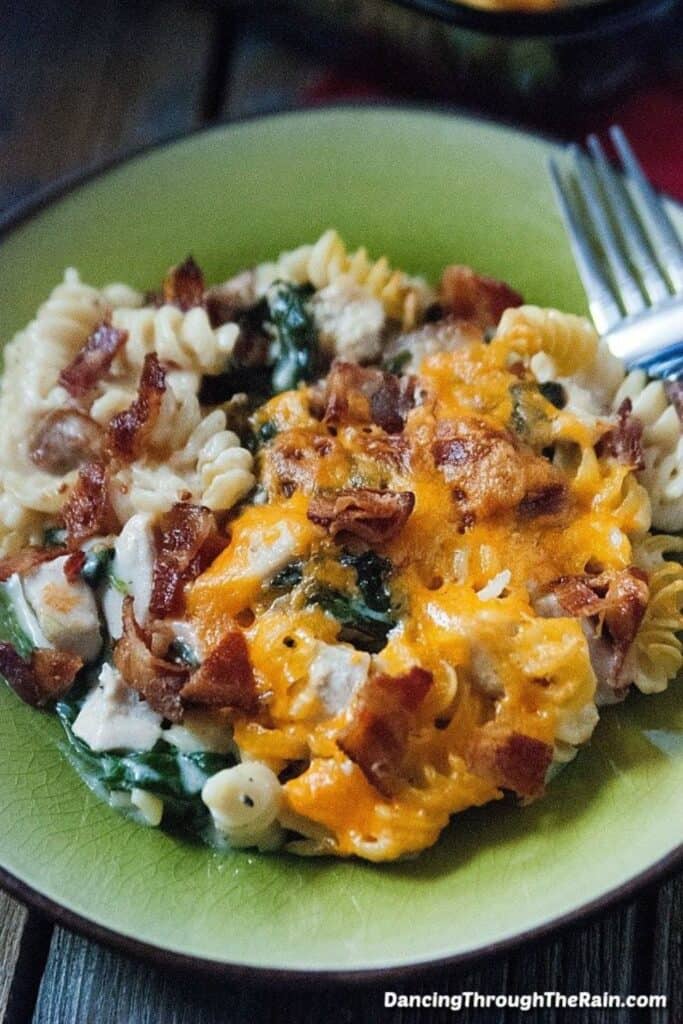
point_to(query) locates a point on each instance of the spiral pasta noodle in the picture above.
(658, 644)
(185, 339)
(663, 447)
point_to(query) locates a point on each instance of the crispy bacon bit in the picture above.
(624, 442)
(674, 392)
(74, 565)
(47, 676)
(362, 394)
(225, 302)
(158, 681)
(187, 541)
(129, 430)
(470, 296)
(29, 558)
(64, 440)
(383, 713)
(511, 760)
(88, 510)
(491, 471)
(372, 516)
(225, 678)
(94, 359)
(546, 501)
(614, 601)
(184, 285)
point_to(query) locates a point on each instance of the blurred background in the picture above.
(84, 82)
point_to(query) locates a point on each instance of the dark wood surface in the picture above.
(80, 83)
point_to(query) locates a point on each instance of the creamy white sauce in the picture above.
(133, 565)
(114, 717)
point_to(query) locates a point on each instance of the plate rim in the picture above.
(664, 868)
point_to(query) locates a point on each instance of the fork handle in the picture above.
(639, 339)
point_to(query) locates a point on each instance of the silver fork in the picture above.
(628, 254)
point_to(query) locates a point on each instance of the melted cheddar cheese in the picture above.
(493, 660)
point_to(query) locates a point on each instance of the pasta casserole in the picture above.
(315, 558)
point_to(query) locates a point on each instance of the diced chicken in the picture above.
(132, 569)
(264, 559)
(350, 321)
(335, 674)
(114, 717)
(66, 611)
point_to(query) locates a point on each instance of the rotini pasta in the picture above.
(662, 475)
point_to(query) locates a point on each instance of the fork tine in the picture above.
(627, 287)
(668, 247)
(667, 364)
(631, 232)
(603, 307)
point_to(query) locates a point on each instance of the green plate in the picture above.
(426, 189)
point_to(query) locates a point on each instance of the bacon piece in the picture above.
(225, 678)
(383, 713)
(88, 510)
(362, 394)
(47, 676)
(93, 361)
(158, 681)
(511, 760)
(624, 442)
(474, 297)
(613, 603)
(184, 285)
(674, 392)
(64, 440)
(74, 565)
(224, 302)
(187, 541)
(28, 558)
(491, 471)
(130, 429)
(372, 516)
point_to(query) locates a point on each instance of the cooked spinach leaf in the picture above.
(182, 652)
(176, 777)
(365, 616)
(54, 536)
(10, 630)
(296, 356)
(288, 577)
(97, 565)
(398, 362)
(528, 418)
(554, 393)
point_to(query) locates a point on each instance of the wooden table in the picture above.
(81, 83)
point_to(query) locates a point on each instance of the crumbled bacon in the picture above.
(45, 677)
(225, 678)
(73, 566)
(88, 510)
(130, 429)
(511, 760)
(383, 713)
(224, 302)
(674, 392)
(158, 681)
(187, 541)
(614, 601)
(491, 471)
(94, 359)
(362, 394)
(481, 300)
(372, 516)
(64, 440)
(184, 285)
(27, 559)
(624, 442)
